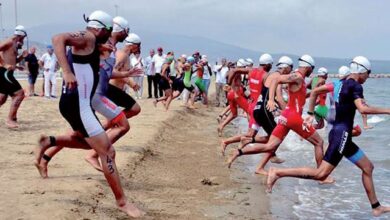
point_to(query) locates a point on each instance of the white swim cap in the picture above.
(241, 63)
(184, 56)
(306, 61)
(20, 30)
(249, 61)
(99, 19)
(204, 57)
(344, 71)
(266, 59)
(132, 39)
(120, 24)
(360, 64)
(322, 71)
(285, 61)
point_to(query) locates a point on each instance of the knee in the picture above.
(136, 109)
(321, 174)
(125, 127)
(368, 169)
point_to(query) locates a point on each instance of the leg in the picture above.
(367, 169)
(17, 99)
(225, 122)
(133, 111)
(256, 148)
(53, 81)
(318, 144)
(168, 94)
(106, 152)
(3, 98)
(47, 83)
(320, 173)
(155, 86)
(150, 81)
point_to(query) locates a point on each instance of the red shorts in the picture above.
(292, 120)
(235, 102)
(252, 122)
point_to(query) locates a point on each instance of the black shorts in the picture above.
(264, 118)
(32, 78)
(8, 84)
(120, 97)
(178, 84)
(341, 144)
(164, 84)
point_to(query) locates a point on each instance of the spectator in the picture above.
(49, 64)
(150, 73)
(220, 82)
(33, 69)
(158, 61)
(137, 61)
(206, 74)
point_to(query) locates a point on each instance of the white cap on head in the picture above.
(322, 71)
(241, 63)
(285, 61)
(20, 30)
(266, 59)
(132, 39)
(344, 71)
(184, 56)
(99, 19)
(120, 24)
(306, 61)
(204, 57)
(249, 61)
(360, 64)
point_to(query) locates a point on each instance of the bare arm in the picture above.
(363, 108)
(279, 97)
(281, 79)
(60, 41)
(235, 71)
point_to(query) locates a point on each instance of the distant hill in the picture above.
(181, 44)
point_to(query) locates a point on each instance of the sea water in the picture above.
(346, 198)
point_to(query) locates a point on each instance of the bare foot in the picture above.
(131, 210)
(94, 162)
(261, 171)
(272, 177)
(368, 127)
(328, 180)
(232, 159)
(43, 144)
(42, 169)
(380, 210)
(191, 107)
(155, 103)
(223, 147)
(12, 124)
(276, 160)
(219, 132)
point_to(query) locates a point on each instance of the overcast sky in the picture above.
(332, 28)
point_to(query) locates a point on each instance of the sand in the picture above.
(169, 163)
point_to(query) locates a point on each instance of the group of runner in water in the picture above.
(95, 74)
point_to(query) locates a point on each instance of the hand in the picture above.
(136, 87)
(135, 72)
(10, 67)
(271, 106)
(21, 68)
(70, 80)
(308, 121)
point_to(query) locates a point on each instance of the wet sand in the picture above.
(169, 163)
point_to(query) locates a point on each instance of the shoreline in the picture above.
(161, 174)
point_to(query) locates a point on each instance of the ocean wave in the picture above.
(376, 119)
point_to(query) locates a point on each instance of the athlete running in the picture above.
(349, 98)
(290, 118)
(321, 110)
(80, 72)
(9, 86)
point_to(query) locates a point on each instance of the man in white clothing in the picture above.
(149, 71)
(49, 64)
(220, 81)
(157, 62)
(137, 61)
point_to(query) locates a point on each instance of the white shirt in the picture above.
(148, 66)
(206, 73)
(158, 62)
(49, 62)
(221, 75)
(135, 62)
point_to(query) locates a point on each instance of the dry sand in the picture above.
(162, 161)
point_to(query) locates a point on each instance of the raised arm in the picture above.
(60, 41)
(235, 71)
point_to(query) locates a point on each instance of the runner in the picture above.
(290, 118)
(80, 71)
(349, 98)
(9, 86)
(321, 110)
(255, 77)
(166, 83)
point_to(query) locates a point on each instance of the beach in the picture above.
(169, 163)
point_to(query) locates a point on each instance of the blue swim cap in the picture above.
(191, 59)
(49, 47)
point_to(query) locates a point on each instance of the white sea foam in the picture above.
(376, 119)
